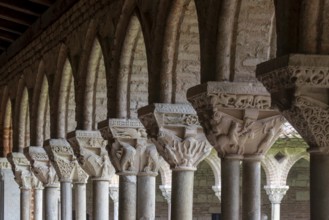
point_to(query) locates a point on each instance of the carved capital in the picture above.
(22, 170)
(130, 151)
(218, 192)
(90, 149)
(237, 117)
(114, 193)
(299, 86)
(64, 161)
(166, 192)
(4, 163)
(41, 166)
(276, 193)
(177, 134)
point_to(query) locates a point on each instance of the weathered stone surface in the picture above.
(299, 87)
(21, 169)
(237, 117)
(175, 130)
(64, 161)
(90, 150)
(129, 149)
(41, 166)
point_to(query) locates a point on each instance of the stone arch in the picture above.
(215, 163)
(95, 89)
(21, 124)
(181, 53)
(133, 72)
(7, 124)
(40, 127)
(63, 105)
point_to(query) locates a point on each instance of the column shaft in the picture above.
(38, 202)
(146, 197)
(230, 188)
(319, 182)
(251, 190)
(275, 211)
(182, 195)
(25, 204)
(127, 197)
(51, 202)
(100, 199)
(80, 197)
(66, 201)
(116, 210)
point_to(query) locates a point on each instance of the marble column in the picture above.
(90, 149)
(175, 130)
(46, 174)
(240, 123)
(166, 193)
(114, 194)
(68, 170)
(38, 198)
(80, 201)
(299, 87)
(136, 161)
(23, 177)
(275, 195)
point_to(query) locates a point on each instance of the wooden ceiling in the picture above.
(16, 16)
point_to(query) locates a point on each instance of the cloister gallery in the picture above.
(164, 109)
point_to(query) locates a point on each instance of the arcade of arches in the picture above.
(226, 100)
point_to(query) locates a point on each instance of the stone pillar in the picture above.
(9, 192)
(114, 194)
(90, 149)
(23, 176)
(275, 195)
(136, 161)
(166, 193)
(175, 130)
(80, 201)
(46, 174)
(68, 170)
(299, 87)
(38, 198)
(239, 122)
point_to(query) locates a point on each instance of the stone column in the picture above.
(175, 130)
(38, 198)
(89, 147)
(166, 193)
(46, 174)
(80, 201)
(133, 155)
(299, 87)
(9, 192)
(23, 176)
(240, 123)
(275, 195)
(68, 170)
(114, 194)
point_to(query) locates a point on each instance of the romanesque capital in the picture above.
(22, 170)
(276, 193)
(41, 166)
(130, 151)
(237, 117)
(299, 86)
(90, 149)
(218, 192)
(114, 193)
(4, 164)
(64, 161)
(166, 192)
(177, 134)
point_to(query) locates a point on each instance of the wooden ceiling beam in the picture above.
(12, 27)
(23, 7)
(13, 16)
(47, 3)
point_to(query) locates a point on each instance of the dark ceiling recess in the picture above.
(16, 16)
